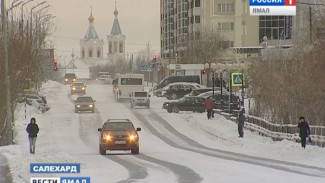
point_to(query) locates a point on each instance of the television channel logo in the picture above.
(272, 7)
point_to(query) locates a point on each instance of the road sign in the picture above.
(145, 68)
(237, 79)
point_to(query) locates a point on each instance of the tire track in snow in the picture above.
(188, 144)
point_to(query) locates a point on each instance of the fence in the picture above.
(280, 131)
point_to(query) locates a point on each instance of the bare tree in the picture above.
(205, 48)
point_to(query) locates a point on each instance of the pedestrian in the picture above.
(304, 131)
(241, 122)
(208, 104)
(32, 130)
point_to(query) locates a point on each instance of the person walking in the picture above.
(241, 122)
(304, 131)
(208, 104)
(32, 130)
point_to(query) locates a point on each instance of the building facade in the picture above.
(91, 46)
(116, 41)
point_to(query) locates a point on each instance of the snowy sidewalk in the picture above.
(5, 175)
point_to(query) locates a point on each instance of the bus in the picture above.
(125, 84)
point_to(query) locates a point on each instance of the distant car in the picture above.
(30, 96)
(78, 88)
(140, 98)
(118, 134)
(105, 79)
(84, 103)
(69, 78)
(195, 104)
(174, 91)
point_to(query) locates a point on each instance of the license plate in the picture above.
(120, 142)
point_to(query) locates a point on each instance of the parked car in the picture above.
(39, 104)
(195, 104)
(196, 92)
(118, 134)
(84, 103)
(157, 90)
(174, 91)
(140, 98)
(30, 96)
(225, 97)
(78, 88)
(69, 78)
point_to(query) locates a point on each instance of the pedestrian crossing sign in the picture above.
(237, 79)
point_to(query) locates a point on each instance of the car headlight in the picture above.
(74, 79)
(78, 106)
(108, 137)
(167, 105)
(73, 88)
(83, 88)
(66, 79)
(90, 105)
(132, 137)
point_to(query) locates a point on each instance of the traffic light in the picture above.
(204, 71)
(55, 68)
(155, 58)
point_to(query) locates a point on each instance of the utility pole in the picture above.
(310, 24)
(8, 123)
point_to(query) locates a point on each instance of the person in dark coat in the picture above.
(241, 122)
(208, 104)
(32, 130)
(304, 131)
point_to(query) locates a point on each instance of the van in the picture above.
(172, 79)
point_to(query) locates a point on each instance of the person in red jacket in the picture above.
(208, 104)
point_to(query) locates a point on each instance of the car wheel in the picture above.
(176, 110)
(169, 110)
(173, 96)
(102, 150)
(135, 150)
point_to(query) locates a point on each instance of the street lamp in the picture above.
(13, 5)
(22, 15)
(31, 16)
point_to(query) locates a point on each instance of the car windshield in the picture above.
(77, 84)
(103, 76)
(119, 126)
(140, 94)
(84, 99)
(39, 101)
(70, 75)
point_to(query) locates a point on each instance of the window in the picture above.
(227, 44)
(90, 53)
(98, 53)
(197, 3)
(274, 27)
(197, 19)
(223, 7)
(225, 26)
(131, 81)
(110, 47)
(115, 47)
(83, 53)
(121, 47)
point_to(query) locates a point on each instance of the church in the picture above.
(91, 46)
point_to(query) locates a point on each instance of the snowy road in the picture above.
(184, 147)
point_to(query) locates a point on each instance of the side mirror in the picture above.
(99, 129)
(138, 129)
(85, 86)
(70, 86)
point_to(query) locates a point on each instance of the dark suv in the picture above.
(118, 134)
(70, 78)
(178, 90)
(84, 103)
(195, 104)
(78, 88)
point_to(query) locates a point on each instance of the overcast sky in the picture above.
(139, 21)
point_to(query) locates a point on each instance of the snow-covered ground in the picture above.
(184, 147)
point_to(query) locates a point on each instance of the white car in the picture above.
(104, 78)
(39, 104)
(139, 98)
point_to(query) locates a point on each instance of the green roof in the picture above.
(116, 29)
(91, 34)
